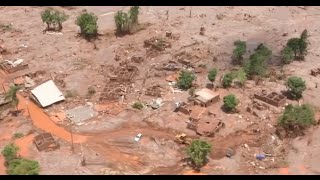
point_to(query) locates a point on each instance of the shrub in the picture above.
(257, 61)
(227, 80)
(91, 90)
(287, 55)
(126, 21)
(296, 118)
(296, 86)
(17, 135)
(88, 24)
(23, 167)
(137, 105)
(185, 80)
(10, 152)
(53, 19)
(198, 151)
(12, 95)
(230, 102)
(239, 51)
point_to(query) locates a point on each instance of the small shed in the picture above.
(205, 97)
(46, 142)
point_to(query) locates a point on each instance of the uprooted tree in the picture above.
(239, 51)
(296, 86)
(197, 152)
(126, 22)
(296, 118)
(12, 95)
(185, 80)
(88, 25)
(53, 19)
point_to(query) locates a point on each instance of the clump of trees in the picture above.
(296, 118)
(212, 75)
(53, 19)
(230, 102)
(126, 22)
(239, 51)
(185, 80)
(296, 48)
(257, 63)
(88, 24)
(197, 152)
(239, 76)
(16, 165)
(296, 86)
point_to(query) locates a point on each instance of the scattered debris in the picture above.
(315, 72)
(154, 91)
(157, 43)
(156, 104)
(182, 139)
(229, 152)
(202, 31)
(138, 137)
(13, 66)
(260, 156)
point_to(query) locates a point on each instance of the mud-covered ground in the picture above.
(106, 141)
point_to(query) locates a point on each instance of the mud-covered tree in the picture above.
(227, 80)
(212, 75)
(191, 91)
(53, 19)
(10, 152)
(198, 151)
(257, 64)
(185, 80)
(297, 118)
(88, 24)
(296, 86)
(12, 95)
(230, 102)
(299, 45)
(23, 167)
(287, 55)
(125, 22)
(239, 51)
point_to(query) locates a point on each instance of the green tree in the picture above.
(198, 151)
(299, 45)
(12, 95)
(296, 86)
(185, 80)
(23, 167)
(230, 102)
(257, 64)
(296, 118)
(227, 80)
(212, 75)
(10, 152)
(239, 76)
(239, 51)
(88, 24)
(287, 55)
(53, 19)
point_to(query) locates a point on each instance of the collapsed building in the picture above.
(45, 142)
(271, 98)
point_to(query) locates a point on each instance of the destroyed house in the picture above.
(124, 74)
(271, 98)
(208, 126)
(197, 112)
(46, 142)
(205, 97)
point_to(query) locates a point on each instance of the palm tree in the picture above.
(12, 95)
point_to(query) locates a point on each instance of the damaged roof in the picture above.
(47, 94)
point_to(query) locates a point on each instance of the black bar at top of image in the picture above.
(159, 2)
